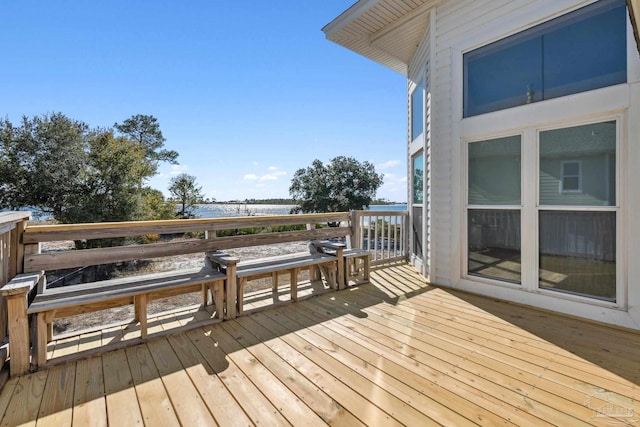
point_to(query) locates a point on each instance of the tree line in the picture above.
(76, 174)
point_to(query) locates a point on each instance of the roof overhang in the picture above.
(389, 32)
(634, 13)
(385, 31)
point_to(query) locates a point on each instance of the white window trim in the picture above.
(464, 191)
(563, 176)
(530, 208)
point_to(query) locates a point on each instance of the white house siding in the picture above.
(460, 26)
(419, 70)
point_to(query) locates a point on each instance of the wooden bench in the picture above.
(318, 264)
(137, 290)
(221, 278)
(357, 262)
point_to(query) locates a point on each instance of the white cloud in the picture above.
(250, 177)
(274, 174)
(178, 169)
(388, 164)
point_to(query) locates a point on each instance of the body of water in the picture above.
(220, 210)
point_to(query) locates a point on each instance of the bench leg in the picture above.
(314, 273)
(205, 294)
(240, 296)
(140, 307)
(274, 286)
(40, 340)
(367, 265)
(230, 291)
(294, 284)
(217, 294)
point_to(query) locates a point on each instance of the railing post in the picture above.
(356, 232)
(18, 328)
(13, 299)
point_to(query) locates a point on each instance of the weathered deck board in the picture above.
(395, 352)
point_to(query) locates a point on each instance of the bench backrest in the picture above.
(35, 260)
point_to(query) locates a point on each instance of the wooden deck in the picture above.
(395, 352)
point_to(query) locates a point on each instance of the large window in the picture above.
(577, 247)
(493, 209)
(580, 51)
(570, 217)
(417, 111)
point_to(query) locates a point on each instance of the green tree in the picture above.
(145, 131)
(41, 162)
(186, 192)
(109, 180)
(155, 207)
(341, 185)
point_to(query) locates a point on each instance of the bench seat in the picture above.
(352, 256)
(274, 265)
(137, 290)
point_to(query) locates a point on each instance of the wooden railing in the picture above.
(384, 233)
(12, 225)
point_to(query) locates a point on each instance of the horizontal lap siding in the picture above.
(462, 25)
(420, 63)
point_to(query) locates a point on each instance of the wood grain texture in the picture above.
(396, 351)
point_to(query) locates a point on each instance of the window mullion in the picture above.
(529, 212)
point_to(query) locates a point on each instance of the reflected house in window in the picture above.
(524, 139)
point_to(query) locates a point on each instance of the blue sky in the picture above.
(246, 92)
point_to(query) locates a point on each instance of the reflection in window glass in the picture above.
(417, 231)
(494, 244)
(418, 179)
(583, 50)
(417, 111)
(494, 171)
(587, 54)
(578, 253)
(503, 76)
(578, 165)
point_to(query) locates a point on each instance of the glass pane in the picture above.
(580, 51)
(494, 171)
(417, 231)
(578, 253)
(418, 179)
(588, 54)
(499, 76)
(494, 244)
(417, 111)
(571, 168)
(594, 147)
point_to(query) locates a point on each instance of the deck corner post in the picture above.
(18, 330)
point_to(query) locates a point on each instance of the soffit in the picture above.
(385, 31)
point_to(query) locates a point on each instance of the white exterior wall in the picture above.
(458, 26)
(420, 71)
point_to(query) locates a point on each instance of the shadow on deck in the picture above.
(394, 352)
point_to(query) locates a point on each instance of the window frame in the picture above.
(530, 209)
(471, 207)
